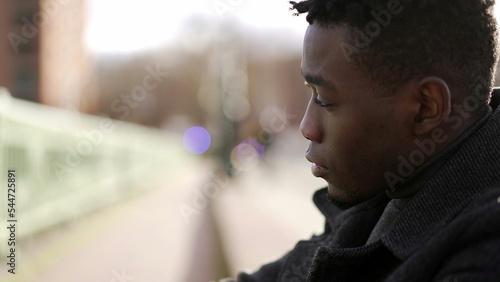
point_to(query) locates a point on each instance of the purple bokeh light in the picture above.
(259, 148)
(247, 155)
(197, 140)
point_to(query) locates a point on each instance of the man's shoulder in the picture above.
(479, 218)
(483, 211)
(475, 225)
(474, 238)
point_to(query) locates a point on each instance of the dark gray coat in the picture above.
(450, 231)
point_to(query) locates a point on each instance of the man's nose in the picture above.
(310, 126)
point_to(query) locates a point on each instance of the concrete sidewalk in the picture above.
(140, 239)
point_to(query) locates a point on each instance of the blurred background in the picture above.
(151, 140)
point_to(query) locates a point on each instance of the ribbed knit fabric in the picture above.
(405, 192)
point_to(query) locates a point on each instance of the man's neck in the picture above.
(454, 139)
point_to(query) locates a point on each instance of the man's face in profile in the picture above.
(356, 135)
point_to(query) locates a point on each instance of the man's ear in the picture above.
(435, 104)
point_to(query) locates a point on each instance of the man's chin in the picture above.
(339, 203)
(342, 203)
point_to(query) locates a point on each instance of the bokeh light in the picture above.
(197, 140)
(236, 108)
(247, 155)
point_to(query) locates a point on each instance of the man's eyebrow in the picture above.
(318, 80)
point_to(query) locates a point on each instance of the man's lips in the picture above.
(317, 169)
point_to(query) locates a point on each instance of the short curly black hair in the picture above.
(395, 40)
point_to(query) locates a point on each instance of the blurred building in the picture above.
(42, 52)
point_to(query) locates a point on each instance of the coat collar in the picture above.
(449, 190)
(350, 228)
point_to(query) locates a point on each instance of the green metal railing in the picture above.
(68, 164)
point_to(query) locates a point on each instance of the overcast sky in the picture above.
(132, 25)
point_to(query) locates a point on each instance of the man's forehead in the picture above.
(322, 48)
(327, 35)
(322, 58)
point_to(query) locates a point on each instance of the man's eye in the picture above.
(316, 100)
(321, 104)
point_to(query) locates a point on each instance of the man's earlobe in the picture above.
(435, 104)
